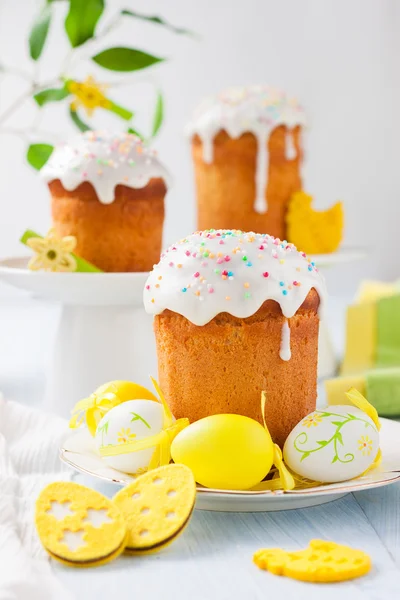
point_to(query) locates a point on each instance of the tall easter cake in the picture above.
(108, 191)
(237, 313)
(247, 154)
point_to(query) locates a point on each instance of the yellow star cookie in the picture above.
(321, 562)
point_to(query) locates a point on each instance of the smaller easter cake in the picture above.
(237, 313)
(108, 191)
(246, 146)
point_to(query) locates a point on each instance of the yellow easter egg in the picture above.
(229, 452)
(157, 507)
(79, 526)
(125, 390)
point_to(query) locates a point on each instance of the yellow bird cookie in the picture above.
(321, 562)
(157, 507)
(314, 232)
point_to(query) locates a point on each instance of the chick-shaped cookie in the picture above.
(312, 231)
(321, 562)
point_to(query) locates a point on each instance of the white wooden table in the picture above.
(213, 558)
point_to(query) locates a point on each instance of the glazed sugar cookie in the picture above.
(79, 526)
(157, 506)
(321, 562)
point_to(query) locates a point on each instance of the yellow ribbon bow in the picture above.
(161, 441)
(93, 409)
(282, 479)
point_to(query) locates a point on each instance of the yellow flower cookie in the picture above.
(79, 526)
(157, 507)
(321, 562)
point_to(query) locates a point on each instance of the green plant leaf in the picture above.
(38, 155)
(39, 31)
(339, 437)
(51, 95)
(125, 59)
(122, 112)
(158, 115)
(337, 423)
(322, 443)
(157, 21)
(335, 459)
(135, 132)
(82, 19)
(78, 121)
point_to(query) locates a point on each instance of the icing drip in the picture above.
(290, 148)
(105, 160)
(208, 150)
(285, 352)
(260, 205)
(255, 109)
(216, 271)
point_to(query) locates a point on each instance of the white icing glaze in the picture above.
(217, 271)
(105, 160)
(290, 148)
(256, 109)
(285, 352)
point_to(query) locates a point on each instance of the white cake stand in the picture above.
(327, 360)
(103, 332)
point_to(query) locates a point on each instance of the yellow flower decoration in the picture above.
(365, 445)
(52, 253)
(89, 94)
(125, 436)
(312, 421)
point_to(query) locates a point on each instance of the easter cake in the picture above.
(108, 192)
(246, 146)
(235, 314)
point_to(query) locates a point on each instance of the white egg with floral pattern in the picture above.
(332, 445)
(124, 425)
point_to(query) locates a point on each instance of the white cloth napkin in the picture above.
(29, 443)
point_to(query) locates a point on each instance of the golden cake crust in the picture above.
(223, 366)
(125, 235)
(226, 187)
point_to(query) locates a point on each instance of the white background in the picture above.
(341, 58)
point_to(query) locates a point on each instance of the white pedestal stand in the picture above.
(327, 361)
(103, 332)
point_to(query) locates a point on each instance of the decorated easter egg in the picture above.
(230, 452)
(332, 445)
(128, 422)
(157, 507)
(79, 526)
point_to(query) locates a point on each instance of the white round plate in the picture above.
(83, 289)
(341, 256)
(79, 453)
